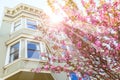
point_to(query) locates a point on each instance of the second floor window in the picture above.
(24, 23)
(14, 52)
(17, 25)
(33, 50)
(31, 24)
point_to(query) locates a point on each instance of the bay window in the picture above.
(33, 50)
(24, 23)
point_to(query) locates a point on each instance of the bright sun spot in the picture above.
(55, 19)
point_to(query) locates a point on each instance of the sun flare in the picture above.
(56, 19)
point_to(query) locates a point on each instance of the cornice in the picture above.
(12, 12)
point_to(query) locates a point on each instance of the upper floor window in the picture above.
(31, 24)
(17, 25)
(14, 52)
(24, 23)
(33, 50)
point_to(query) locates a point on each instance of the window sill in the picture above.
(24, 31)
(24, 59)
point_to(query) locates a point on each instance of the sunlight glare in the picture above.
(55, 19)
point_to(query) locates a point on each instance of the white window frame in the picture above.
(41, 49)
(8, 51)
(13, 24)
(23, 22)
(31, 20)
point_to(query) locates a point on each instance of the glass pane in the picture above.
(33, 50)
(17, 25)
(73, 76)
(14, 52)
(33, 46)
(31, 24)
(33, 54)
(16, 56)
(11, 58)
(14, 48)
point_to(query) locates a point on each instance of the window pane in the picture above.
(73, 76)
(33, 46)
(33, 50)
(11, 58)
(17, 25)
(33, 54)
(31, 24)
(14, 47)
(14, 52)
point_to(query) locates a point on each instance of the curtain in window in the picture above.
(33, 50)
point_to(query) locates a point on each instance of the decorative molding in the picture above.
(12, 12)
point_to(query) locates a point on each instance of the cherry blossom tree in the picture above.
(86, 40)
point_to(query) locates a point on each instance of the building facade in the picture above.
(19, 51)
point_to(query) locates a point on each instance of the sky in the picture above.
(12, 3)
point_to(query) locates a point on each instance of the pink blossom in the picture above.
(46, 67)
(63, 42)
(53, 58)
(43, 54)
(52, 67)
(98, 43)
(118, 47)
(104, 17)
(79, 44)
